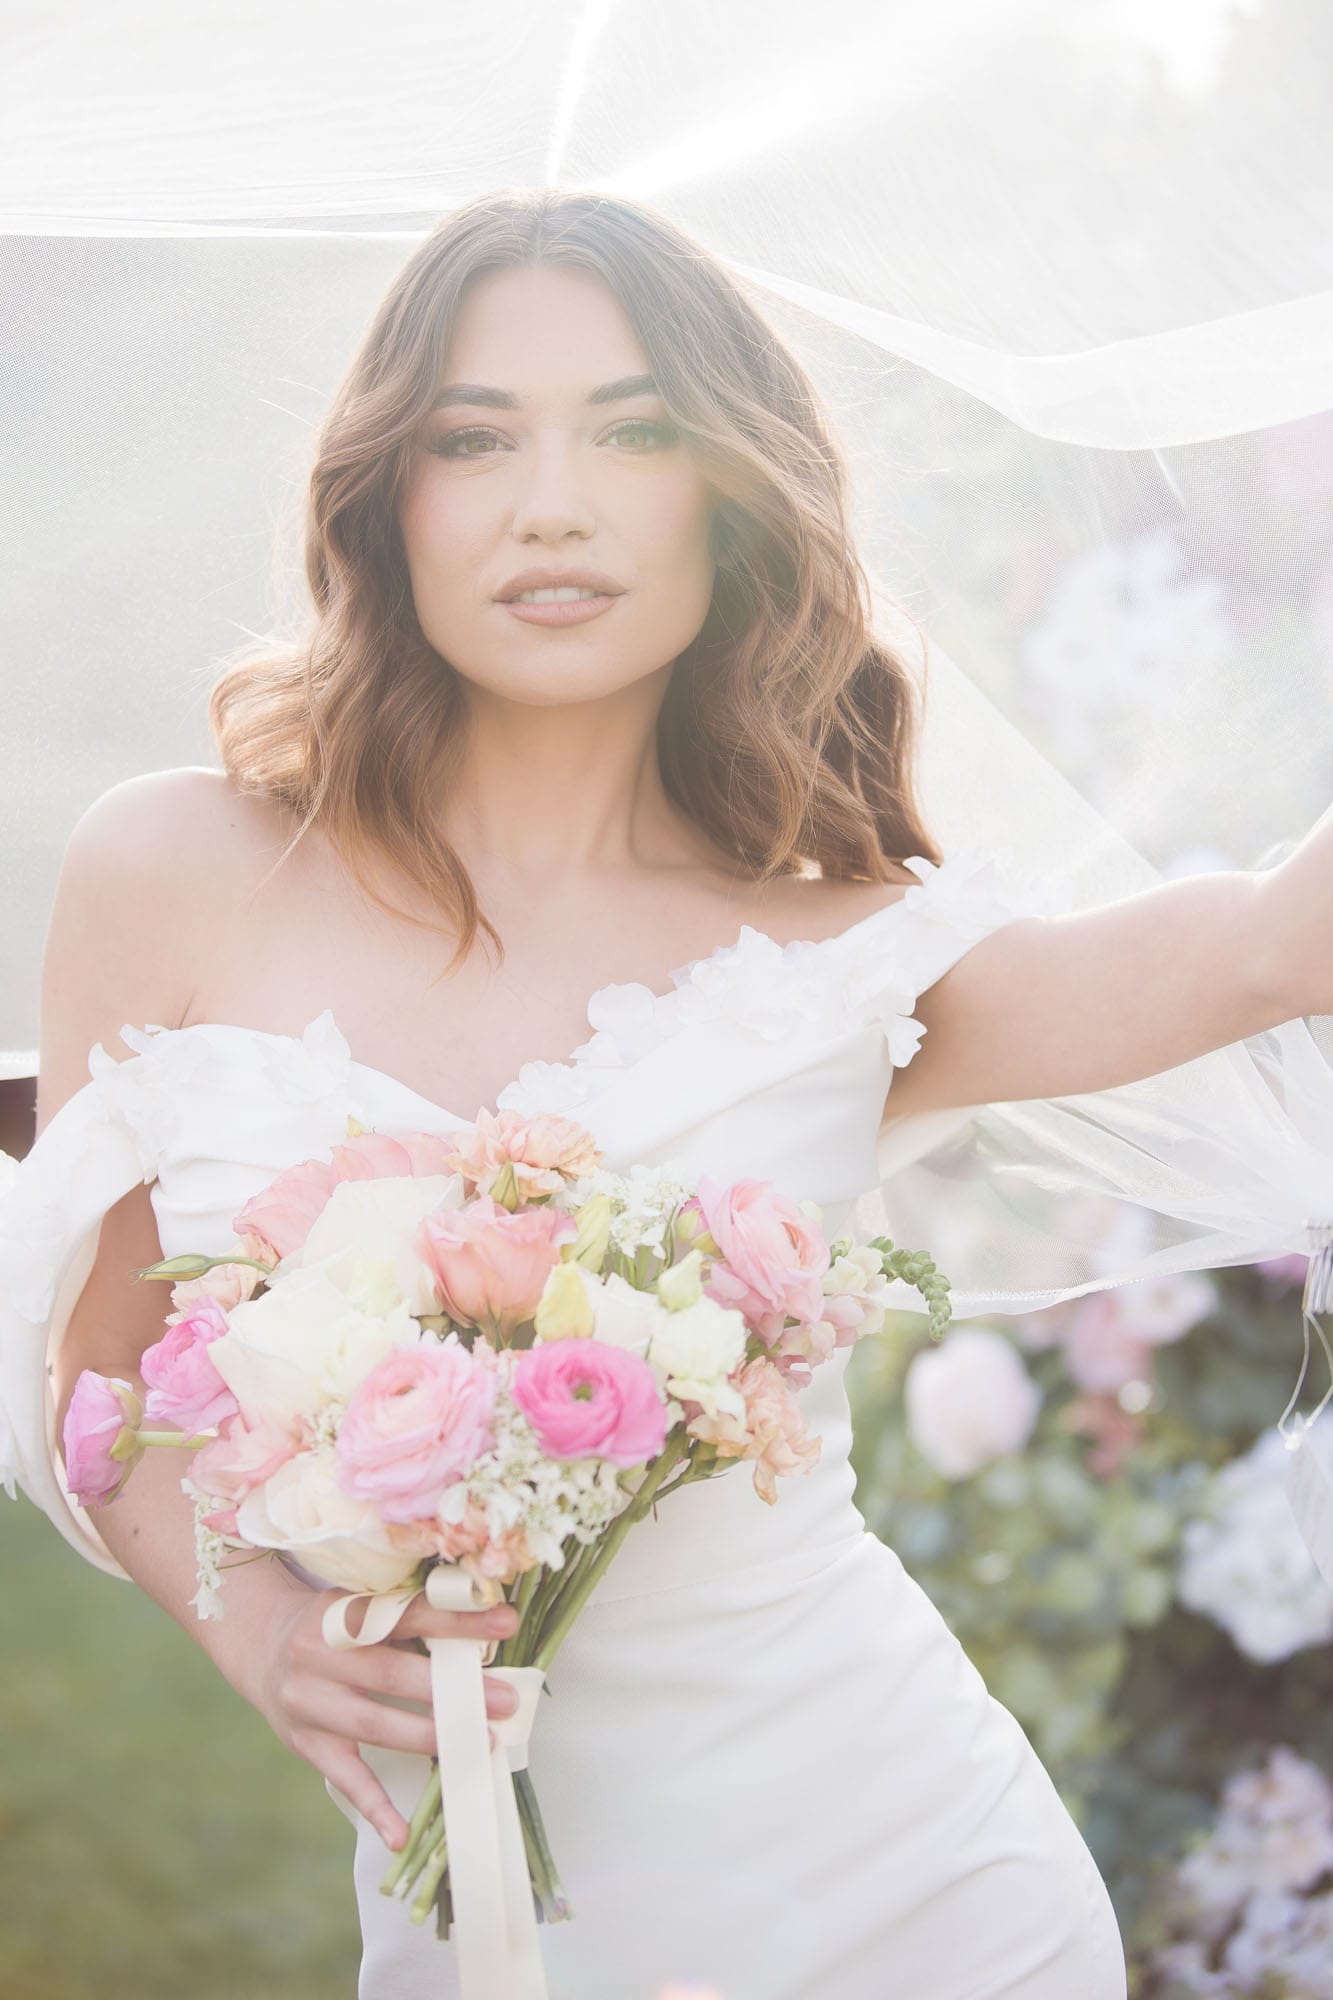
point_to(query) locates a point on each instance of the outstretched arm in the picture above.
(1056, 1006)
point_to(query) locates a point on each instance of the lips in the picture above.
(552, 579)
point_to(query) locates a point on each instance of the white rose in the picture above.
(969, 1400)
(380, 1218)
(696, 1349)
(301, 1507)
(622, 1315)
(306, 1342)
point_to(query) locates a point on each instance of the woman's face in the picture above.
(555, 482)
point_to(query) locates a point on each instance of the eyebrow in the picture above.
(500, 399)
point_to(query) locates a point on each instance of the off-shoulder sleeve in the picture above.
(1223, 1160)
(93, 1151)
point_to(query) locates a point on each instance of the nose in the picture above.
(552, 500)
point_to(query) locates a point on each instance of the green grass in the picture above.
(156, 1840)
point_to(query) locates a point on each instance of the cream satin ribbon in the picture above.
(494, 1918)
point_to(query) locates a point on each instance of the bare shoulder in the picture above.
(152, 812)
(149, 877)
(819, 907)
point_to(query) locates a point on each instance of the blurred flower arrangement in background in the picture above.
(1092, 1495)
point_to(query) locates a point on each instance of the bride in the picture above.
(590, 678)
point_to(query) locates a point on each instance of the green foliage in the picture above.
(1060, 1584)
(155, 1837)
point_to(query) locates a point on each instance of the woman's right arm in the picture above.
(134, 911)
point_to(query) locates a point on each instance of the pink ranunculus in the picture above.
(101, 1410)
(184, 1388)
(240, 1458)
(587, 1399)
(544, 1151)
(490, 1266)
(419, 1421)
(283, 1214)
(773, 1255)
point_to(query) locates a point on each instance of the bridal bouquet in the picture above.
(484, 1356)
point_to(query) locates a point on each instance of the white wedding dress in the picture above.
(765, 1765)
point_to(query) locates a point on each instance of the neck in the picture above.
(543, 796)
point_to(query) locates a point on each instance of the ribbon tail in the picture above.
(471, 1821)
(527, 1972)
(494, 1915)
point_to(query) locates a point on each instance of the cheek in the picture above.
(671, 520)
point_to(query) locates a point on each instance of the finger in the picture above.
(349, 1771)
(382, 1670)
(341, 1762)
(422, 1620)
(361, 1719)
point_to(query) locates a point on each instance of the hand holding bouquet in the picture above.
(469, 1365)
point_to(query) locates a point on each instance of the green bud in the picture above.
(681, 1284)
(589, 1247)
(564, 1311)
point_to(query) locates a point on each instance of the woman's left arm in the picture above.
(1056, 1006)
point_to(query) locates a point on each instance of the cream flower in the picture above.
(696, 1349)
(302, 1507)
(307, 1342)
(379, 1219)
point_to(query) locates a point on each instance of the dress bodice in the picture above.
(764, 1060)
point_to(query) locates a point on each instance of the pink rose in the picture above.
(184, 1388)
(282, 1214)
(103, 1412)
(490, 1266)
(417, 1423)
(773, 1256)
(544, 1152)
(242, 1457)
(586, 1399)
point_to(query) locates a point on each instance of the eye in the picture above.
(660, 433)
(453, 444)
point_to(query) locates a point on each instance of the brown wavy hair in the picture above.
(788, 730)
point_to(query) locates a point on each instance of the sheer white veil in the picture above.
(1063, 277)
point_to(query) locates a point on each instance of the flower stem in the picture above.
(555, 1905)
(436, 1863)
(425, 1825)
(548, 1606)
(575, 1596)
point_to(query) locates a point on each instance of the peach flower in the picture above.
(772, 1432)
(489, 1265)
(545, 1151)
(227, 1283)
